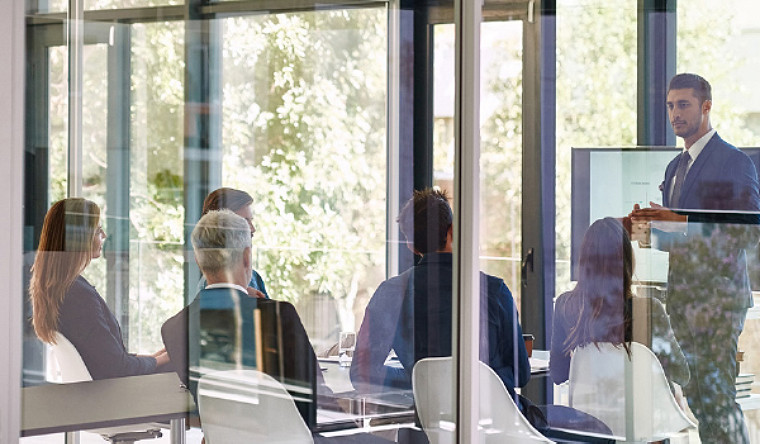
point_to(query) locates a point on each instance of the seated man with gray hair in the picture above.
(220, 328)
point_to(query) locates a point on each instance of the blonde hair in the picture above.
(65, 250)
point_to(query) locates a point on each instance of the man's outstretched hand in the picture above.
(655, 213)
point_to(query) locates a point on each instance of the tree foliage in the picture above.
(304, 133)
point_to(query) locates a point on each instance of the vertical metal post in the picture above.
(393, 126)
(466, 279)
(75, 43)
(12, 70)
(118, 173)
(656, 65)
(422, 137)
(177, 431)
(71, 438)
(415, 148)
(202, 152)
(538, 178)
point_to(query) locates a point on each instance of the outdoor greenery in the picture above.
(303, 114)
(304, 133)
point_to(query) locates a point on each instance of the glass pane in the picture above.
(156, 172)
(501, 151)
(596, 51)
(299, 105)
(94, 125)
(293, 110)
(677, 285)
(53, 6)
(58, 104)
(303, 99)
(501, 140)
(596, 178)
(500, 216)
(728, 62)
(121, 4)
(501, 170)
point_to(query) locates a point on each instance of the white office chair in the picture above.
(601, 377)
(73, 369)
(248, 406)
(499, 421)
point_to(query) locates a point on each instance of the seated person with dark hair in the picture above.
(239, 202)
(411, 314)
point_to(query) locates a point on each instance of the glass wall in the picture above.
(730, 61)
(291, 108)
(501, 135)
(329, 117)
(304, 98)
(596, 97)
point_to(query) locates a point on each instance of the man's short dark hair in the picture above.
(701, 87)
(425, 220)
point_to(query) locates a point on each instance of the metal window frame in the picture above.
(12, 116)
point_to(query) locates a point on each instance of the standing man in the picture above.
(710, 191)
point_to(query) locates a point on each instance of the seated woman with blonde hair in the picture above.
(64, 302)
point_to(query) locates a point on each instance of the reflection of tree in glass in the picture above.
(304, 133)
(501, 168)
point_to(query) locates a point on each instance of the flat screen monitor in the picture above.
(607, 182)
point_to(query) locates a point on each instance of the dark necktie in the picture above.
(683, 164)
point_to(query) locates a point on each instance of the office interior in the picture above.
(330, 114)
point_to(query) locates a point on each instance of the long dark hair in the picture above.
(601, 301)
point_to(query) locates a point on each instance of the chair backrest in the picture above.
(248, 406)
(499, 419)
(601, 376)
(70, 363)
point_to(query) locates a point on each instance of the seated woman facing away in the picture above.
(599, 309)
(63, 301)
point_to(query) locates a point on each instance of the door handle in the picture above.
(526, 266)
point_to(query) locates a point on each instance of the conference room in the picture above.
(536, 118)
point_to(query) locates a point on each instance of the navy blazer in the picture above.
(411, 314)
(208, 328)
(721, 198)
(722, 178)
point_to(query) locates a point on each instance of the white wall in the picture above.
(11, 206)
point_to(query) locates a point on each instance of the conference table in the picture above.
(161, 398)
(386, 406)
(73, 407)
(338, 378)
(350, 409)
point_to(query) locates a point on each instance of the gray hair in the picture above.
(219, 240)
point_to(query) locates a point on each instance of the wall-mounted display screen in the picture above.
(607, 182)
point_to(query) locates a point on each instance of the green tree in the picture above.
(304, 132)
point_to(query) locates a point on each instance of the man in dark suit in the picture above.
(710, 203)
(411, 313)
(217, 330)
